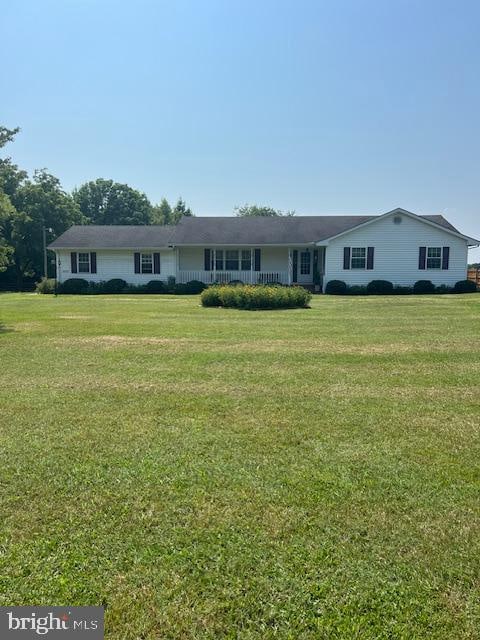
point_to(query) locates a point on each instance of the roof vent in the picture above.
(397, 220)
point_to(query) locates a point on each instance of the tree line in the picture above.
(33, 205)
(28, 204)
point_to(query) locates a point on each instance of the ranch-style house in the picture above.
(399, 246)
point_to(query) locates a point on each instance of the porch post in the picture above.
(214, 265)
(289, 266)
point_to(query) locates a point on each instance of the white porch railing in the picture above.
(224, 277)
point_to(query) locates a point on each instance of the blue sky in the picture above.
(341, 106)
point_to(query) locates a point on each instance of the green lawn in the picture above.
(208, 473)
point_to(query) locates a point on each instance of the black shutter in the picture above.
(156, 263)
(422, 255)
(346, 257)
(207, 263)
(93, 262)
(315, 261)
(445, 257)
(136, 262)
(257, 259)
(73, 261)
(370, 253)
(294, 265)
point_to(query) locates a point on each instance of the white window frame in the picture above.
(83, 262)
(142, 255)
(439, 258)
(245, 258)
(362, 257)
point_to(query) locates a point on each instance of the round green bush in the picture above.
(443, 288)
(357, 290)
(400, 290)
(180, 289)
(115, 285)
(336, 288)
(194, 287)
(423, 286)
(211, 297)
(74, 286)
(155, 286)
(46, 285)
(465, 286)
(380, 288)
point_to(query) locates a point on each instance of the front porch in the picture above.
(302, 265)
(224, 277)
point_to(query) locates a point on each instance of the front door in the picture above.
(304, 266)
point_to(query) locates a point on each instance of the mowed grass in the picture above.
(209, 473)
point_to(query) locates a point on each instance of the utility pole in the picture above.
(45, 265)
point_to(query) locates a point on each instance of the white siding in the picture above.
(396, 253)
(190, 258)
(117, 264)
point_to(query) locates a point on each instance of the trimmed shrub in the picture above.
(443, 288)
(194, 287)
(357, 290)
(115, 285)
(94, 288)
(336, 288)
(256, 297)
(171, 284)
(465, 286)
(135, 289)
(155, 286)
(179, 289)
(423, 286)
(74, 286)
(46, 285)
(211, 297)
(380, 287)
(400, 290)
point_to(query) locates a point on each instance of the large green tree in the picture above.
(162, 213)
(10, 178)
(253, 210)
(43, 203)
(108, 202)
(26, 207)
(7, 135)
(7, 213)
(179, 210)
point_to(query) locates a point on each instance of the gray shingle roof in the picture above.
(216, 231)
(114, 237)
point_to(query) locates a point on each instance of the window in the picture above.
(246, 259)
(146, 263)
(231, 260)
(84, 263)
(305, 263)
(358, 259)
(434, 258)
(219, 260)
